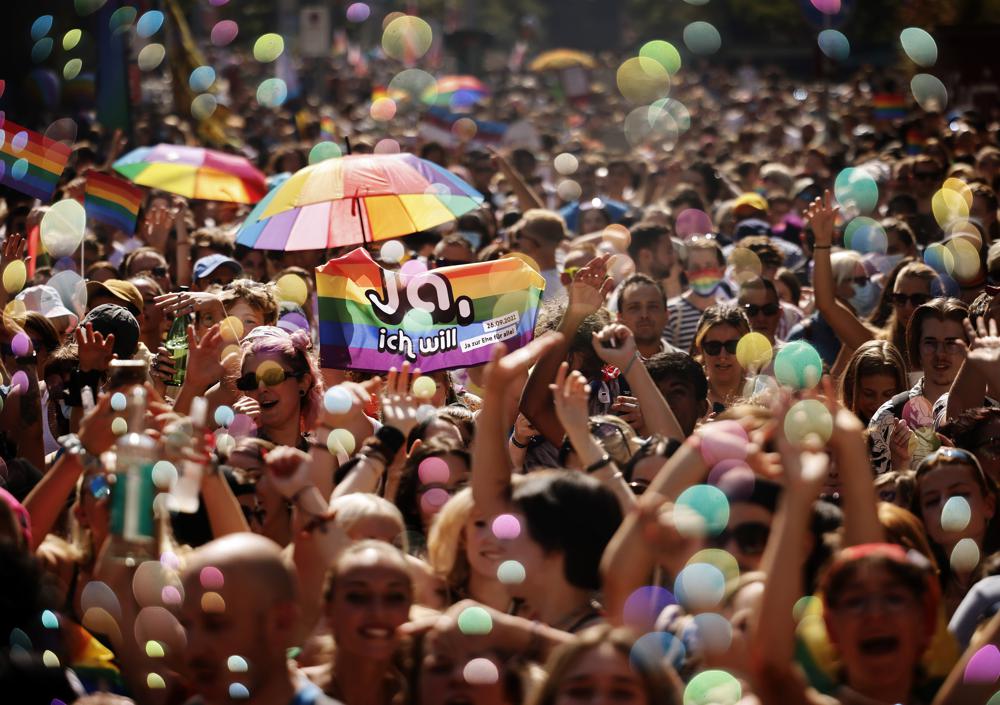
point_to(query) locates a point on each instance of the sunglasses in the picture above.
(271, 377)
(914, 299)
(767, 309)
(159, 271)
(442, 262)
(751, 537)
(714, 347)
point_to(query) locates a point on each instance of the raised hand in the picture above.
(571, 395)
(95, 351)
(984, 344)
(523, 430)
(163, 365)
(615, 344)
(805, 471)
(503, 369)
(821, 216)
(361, 396)
(399, 406)
(204, 364)
(590, 287)
(95, 427)
(248, 406)
(181, 303)
(628, 409)
(13, 249)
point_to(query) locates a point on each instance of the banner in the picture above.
(112, 201)
(371, 319)
(29, 162)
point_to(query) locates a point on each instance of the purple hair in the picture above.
(296, 349)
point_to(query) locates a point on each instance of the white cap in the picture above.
(46, 300)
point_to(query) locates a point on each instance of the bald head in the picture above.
(245, 559)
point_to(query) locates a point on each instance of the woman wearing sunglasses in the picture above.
(280, 378)
(953, 477)
(715, 341)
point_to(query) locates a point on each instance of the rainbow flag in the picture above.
(889, 106)
(371, 319)
(29, 162)
(112, 201)
(436, 123)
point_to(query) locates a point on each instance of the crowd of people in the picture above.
(751, 455)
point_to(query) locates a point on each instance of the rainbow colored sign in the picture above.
(372, 319)
(29, 162)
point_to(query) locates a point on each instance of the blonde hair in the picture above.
(844, 263)
(352, 508)
(258, 296)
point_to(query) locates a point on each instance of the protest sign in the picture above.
(372, 318)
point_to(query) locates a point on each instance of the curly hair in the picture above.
(258, 296)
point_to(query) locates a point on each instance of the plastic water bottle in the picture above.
(133, 525)
(184, 497)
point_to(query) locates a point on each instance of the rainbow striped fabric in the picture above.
(29, 162)
(112, 201)
(372, 319)
(889, 106)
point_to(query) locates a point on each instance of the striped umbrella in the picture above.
(356, 199)
(459, 91)
(194, 172)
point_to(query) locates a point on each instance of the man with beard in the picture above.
(642, 308)
(652, 250)
(240, 616)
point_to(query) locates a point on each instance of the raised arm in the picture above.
(979, 369)
(773, 635)
(526, 198)
(586, 294)
(491, 464)
(848, 327)
(977, 689)
(571, 393)
(656, 413)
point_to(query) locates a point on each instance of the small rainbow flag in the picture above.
(889, 106)
(372, 319)
(29, 162)
(112, 201)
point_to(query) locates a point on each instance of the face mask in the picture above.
(885, 263)
(704, 282)
(472, 237)
(865, 297)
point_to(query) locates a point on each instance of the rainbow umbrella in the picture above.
(194, 172)
(562, 59)
(356, 199)
(459, 91)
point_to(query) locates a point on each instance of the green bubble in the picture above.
(702, 38)
(418, 321)
(268, 47)
(798, 365)
(122, 19)
(929, 92)
(50, 620)
(475, 620)
(710, 503)
(72, 69)
(919, 46)
(866, 235)
(154, 649)
(323, 151)
(713, 688)
(41, 50)
(808, 418)
(203, 106)
(834, 44)
(856, 188)
(272, 92)
(663, 52)
(71, 39)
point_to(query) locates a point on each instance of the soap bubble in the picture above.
(655, 648)
(855, 188)
(433, 470)
(956, 514)
(834, 44)
(424, 387)
(644, 605)
(293, 288)
(322, 151)
(392, 252)
(919, 46)
(407, 38)
(475, 621)
(929, 92)
(702, 38)
(511, 573)
(358, 12)
(151, 56)
(699, 586)
(268, 47)
(808, 418)
(224, 416)
(798, 365)
(480, 671)
(754, 351)
(202, 78)
(506, 527)
(71, 39)
(40, 27)
(203, 106)
(565, 163)
(642, 80)
(713, 687)
(965, 556)
(224, 32)
(710, 504)
(62, 227)
(72, 69)
(663, 52)
(272, 92)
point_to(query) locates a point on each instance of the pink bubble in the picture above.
(644, 605)
(433, 499)
(984, 666)
(224, 32)
(827, 7)
(724, 440)
(693, 222)
(241, 426)
(506, 526)
(358, 12)
(918, 413)
(433, 471)
(21, 345)
(19, 382)
(211, 578)
(170, 560)
(734, 478)
(387, 146)
(413, 267)
(170, 595)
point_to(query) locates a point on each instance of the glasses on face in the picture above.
(442, 262)
(159, 271)
(271, 377)
(751, 537)
(951, 346)
(767, 309)
(949, 453)
(914, 299)
(713, 348)
(858, 605)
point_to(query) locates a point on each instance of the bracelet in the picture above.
(598, 464)
(821, 247)
(631, 362)
(516, 443)
(392, 439)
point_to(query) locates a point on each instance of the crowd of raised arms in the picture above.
(750, 455)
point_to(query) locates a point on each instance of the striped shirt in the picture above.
(682, 323)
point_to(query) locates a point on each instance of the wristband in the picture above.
(517, 443)
(822, 247)
(631, 362)
(604, 461)
(392, 439)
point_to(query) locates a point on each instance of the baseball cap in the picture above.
(109, 319)
(206, 265)
(751, 226)
(124, 291)
(750, 201)
(46, 300)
